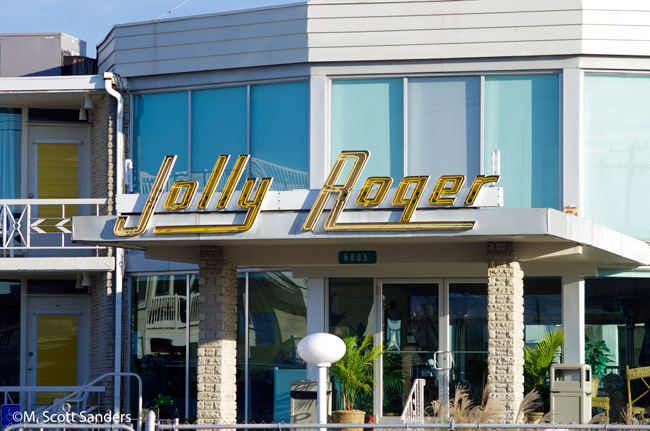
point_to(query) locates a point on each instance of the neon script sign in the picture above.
(372, 194)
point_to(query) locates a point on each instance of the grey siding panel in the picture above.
(443, 22)
(219, 41)
(332, 9)
(214, 63)
(445, 37)
(213, 49)
(443, 29)
(378, 30)
(210, 35)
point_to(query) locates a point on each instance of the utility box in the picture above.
(304, 408)
(570, 393)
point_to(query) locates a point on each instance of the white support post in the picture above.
(316, 314)
(573, 320)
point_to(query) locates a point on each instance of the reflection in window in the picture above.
(270, 124)
(368, 114)
(351, 312)
(279, 134)
(542, 308)
(468, 332)
(444, 118)
(277, 321)
(160, 129)
(10, 140)
(617, 152)
(219, 126)
(522, 121)
(158, 351)
(9, 333)
(616, 311)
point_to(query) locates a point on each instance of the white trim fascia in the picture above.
(51, 84)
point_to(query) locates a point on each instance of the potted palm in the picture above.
(597, 356)
(537, 363)
(354, 372)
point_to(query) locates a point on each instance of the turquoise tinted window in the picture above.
(444, 119)
(160, 129)
(617, 152)
(280, 134)
(219, 126)
(10, 132)
(368, 114)
(522, 121)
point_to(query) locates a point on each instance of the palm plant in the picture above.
(538, 360)
(597, 355)
(354, 370)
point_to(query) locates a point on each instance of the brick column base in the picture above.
(506, 328)
(217, 349)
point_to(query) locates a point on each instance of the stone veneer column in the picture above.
(506, 328)
(217, 350)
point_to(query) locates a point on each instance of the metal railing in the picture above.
(42, 224)
(414, 408)
(58, 406)
(25, 394)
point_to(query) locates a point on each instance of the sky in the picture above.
(91, 20)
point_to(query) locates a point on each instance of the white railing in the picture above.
(413, 412)
(26, 395)
(42, 224)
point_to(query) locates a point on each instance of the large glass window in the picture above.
(279, 133)
(10, 139)
(368, 114)
(219, 126)
(542, 307)
(444, 117)
(160, 129)
(522, 121)
(269, 122)
(159, 348)
(617, 151)
(617, 312)
(277, 321)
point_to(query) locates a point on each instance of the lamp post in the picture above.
(321, 349)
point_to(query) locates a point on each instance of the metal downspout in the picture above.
(109, 78)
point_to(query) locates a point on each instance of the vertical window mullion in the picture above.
(248, 135)
(405, 129)
(187, 345)
(189, 136)
(482, 127)
(246, 351)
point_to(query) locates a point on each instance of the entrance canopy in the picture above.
(549, 242)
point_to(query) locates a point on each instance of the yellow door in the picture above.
(56, 353)
(58, 178)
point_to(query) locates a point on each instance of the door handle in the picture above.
(442, 360)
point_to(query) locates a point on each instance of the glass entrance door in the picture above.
(468, 335)
(435, 330)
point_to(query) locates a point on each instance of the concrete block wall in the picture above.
(102, 295)
(217, 351)
(506, 328)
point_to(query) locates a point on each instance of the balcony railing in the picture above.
(42, 227)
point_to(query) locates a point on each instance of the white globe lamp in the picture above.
(321, 349)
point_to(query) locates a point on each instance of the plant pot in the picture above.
(349, 417)
(534, 417)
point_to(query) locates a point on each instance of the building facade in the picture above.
(455, 178)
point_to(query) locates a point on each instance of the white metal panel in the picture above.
(445, 37)
(441, 22)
